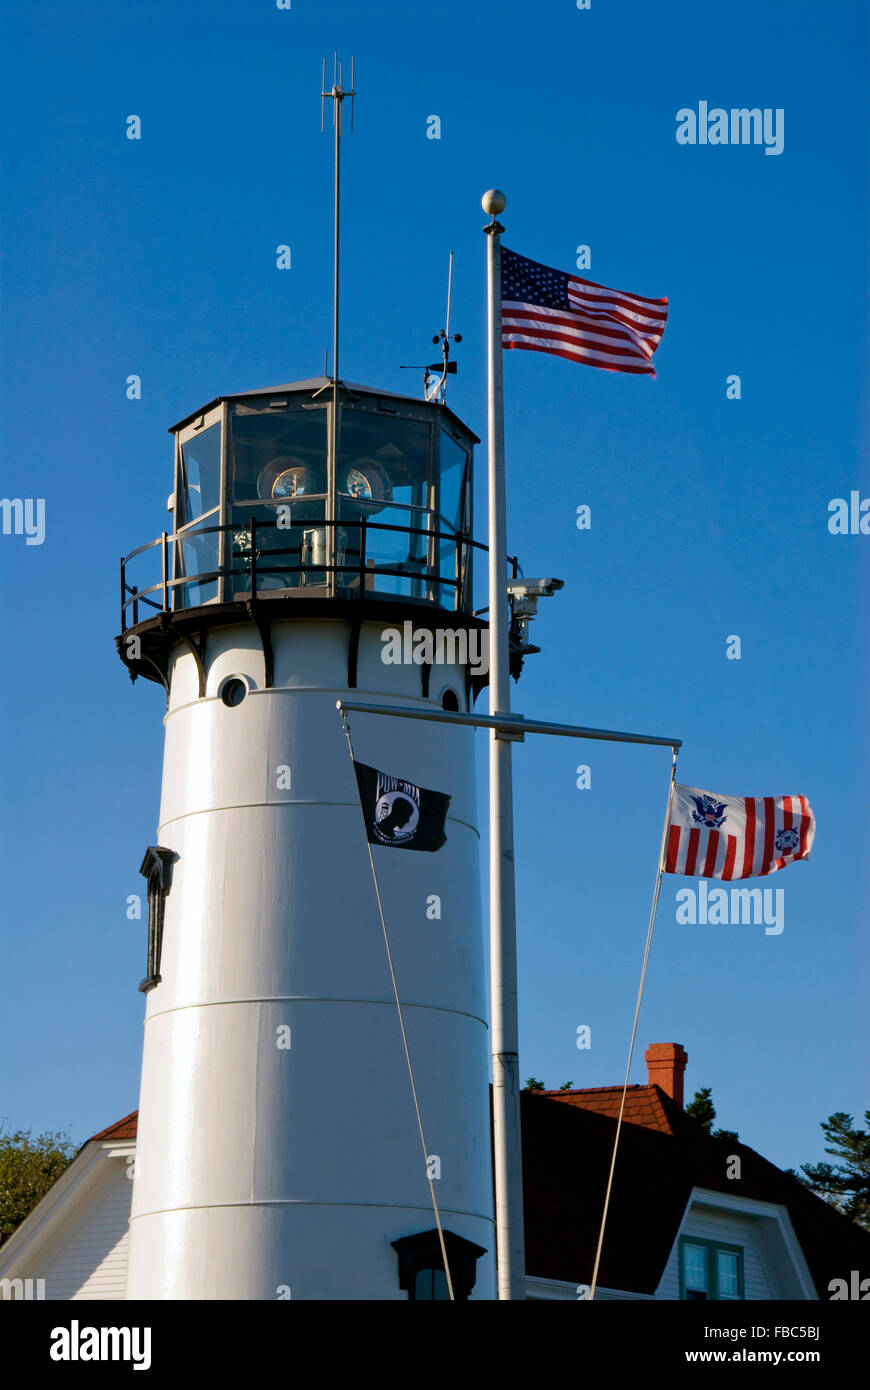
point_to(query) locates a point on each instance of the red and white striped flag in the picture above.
(547, 310)
(712, 836)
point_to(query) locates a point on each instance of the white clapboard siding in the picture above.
(733, 1230)
(91, 1260)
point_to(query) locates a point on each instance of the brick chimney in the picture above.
(665, 1064)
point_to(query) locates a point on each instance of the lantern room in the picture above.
(313, 490)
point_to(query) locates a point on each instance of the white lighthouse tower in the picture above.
(278, 1152)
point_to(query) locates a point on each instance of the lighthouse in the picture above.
(279, 1152)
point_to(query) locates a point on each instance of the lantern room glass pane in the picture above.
(200, 474)
(287, 555)
(452, 491)
(385, 477)
(400, 555)
(198, 554)
(279, 456)
(451, 559)
(397, 560)
(382, 460)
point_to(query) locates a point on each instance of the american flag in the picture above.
(713, 836)
(546, 310)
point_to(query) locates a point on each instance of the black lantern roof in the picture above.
(320, 383)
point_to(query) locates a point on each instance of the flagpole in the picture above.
(506, 1138)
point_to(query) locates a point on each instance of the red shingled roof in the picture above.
(121, 1129)
(649, 1106)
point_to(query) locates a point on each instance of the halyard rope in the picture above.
(346, 725)
(646, 951)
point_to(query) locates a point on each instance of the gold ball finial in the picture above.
(493, 202)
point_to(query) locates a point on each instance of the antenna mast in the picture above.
(337, 95)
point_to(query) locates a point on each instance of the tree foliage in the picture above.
(533, 1083)
(702, 1109)
(28, 1168)
(846, 1185)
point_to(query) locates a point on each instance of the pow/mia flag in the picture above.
(398, 813)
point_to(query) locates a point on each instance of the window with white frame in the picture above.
(710, 1269)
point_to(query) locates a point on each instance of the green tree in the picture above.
(533, 1084)
(28, 1168)
(702, 1109)
(846, 1185)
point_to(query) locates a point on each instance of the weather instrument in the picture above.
(435, 374)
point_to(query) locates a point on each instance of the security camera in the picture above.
(524, 595)
(534, 588)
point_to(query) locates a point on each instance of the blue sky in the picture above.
(709, 516)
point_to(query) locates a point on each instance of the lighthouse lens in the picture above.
(293, 482)
(358, 485)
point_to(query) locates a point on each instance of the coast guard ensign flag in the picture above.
(547, 310)
(398, 813)
(714, 836)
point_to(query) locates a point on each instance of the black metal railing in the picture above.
(243, 566)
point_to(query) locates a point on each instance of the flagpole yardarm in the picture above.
(346, 725)
(514, 724)
(507, 1144)
(646, 951)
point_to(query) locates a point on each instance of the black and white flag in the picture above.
(398, 813)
